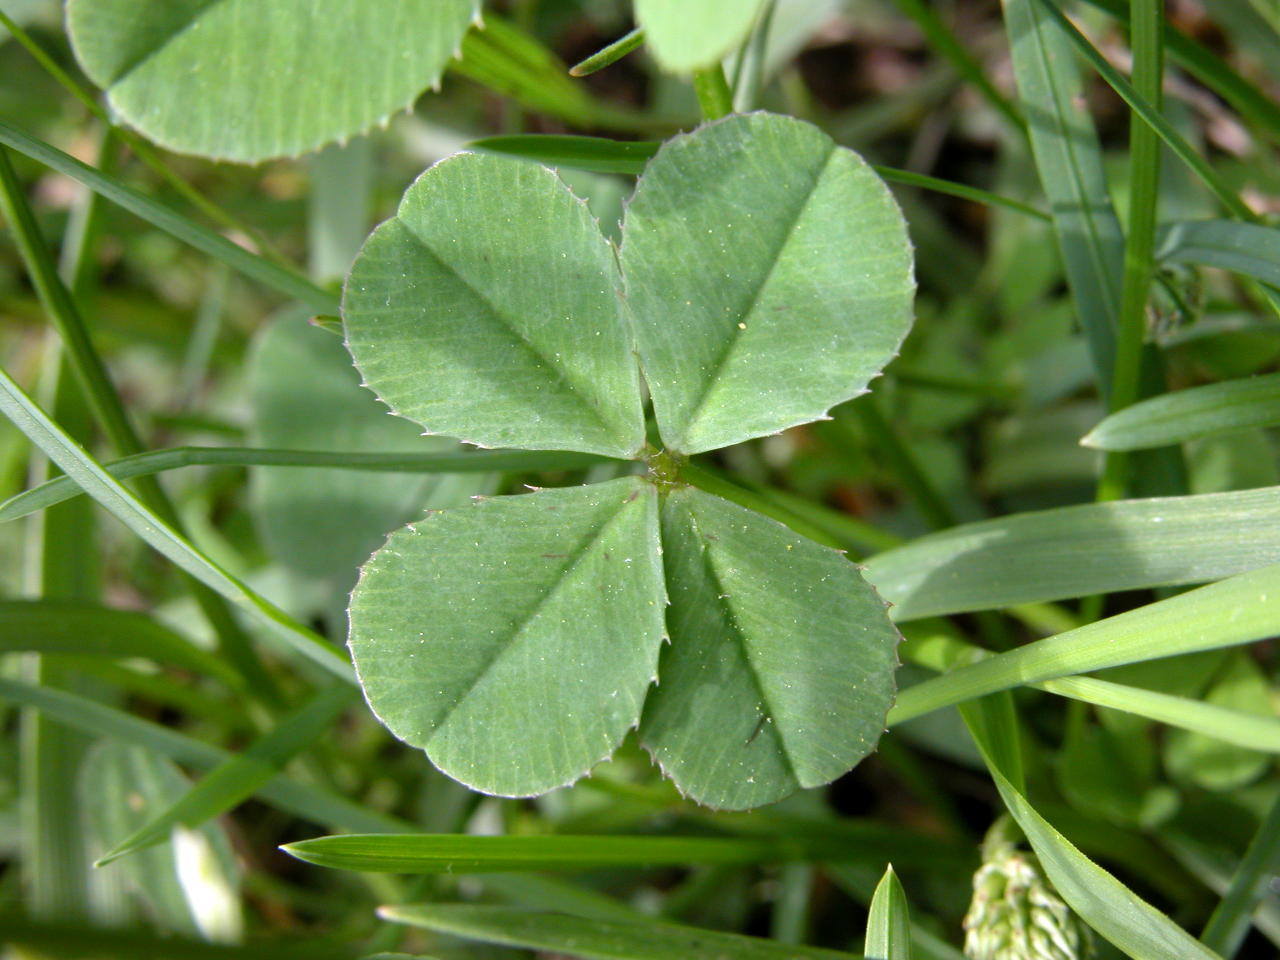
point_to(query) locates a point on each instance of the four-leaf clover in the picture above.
(764, 276)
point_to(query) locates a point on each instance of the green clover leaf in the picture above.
(248, 80)
(765, 275)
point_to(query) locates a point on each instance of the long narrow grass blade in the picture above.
(122, 504)
(1248, 249)
(1103, 902)
(1069, 161)
(1080, 551)
(286, 282)
(310, 803)
(82, 628)
(63, 939)
(888, 921)
(1250, 730)
(1253, 731)
(1149, 114)
(237, 779)
(1211, 70)
(1230, 922)
(158, 461)
(1238, 610)
(595, 939)
(458, 853)
(1216, 409)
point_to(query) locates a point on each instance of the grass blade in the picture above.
(1250, 730)
(888, 921)
(942, 652)
(595, 939)
(1244, 248)
(68, 940)
(238, 778)
(602, 155)
(1149, 114)
(1211, 70)
(1103, 902)
(610, 54)
(107, 491)
(1230, 922)
(1216, 409)
(457, 853)
(310, 803)
(1069, 161)
(83, 628)
(1240, 609)
(1079, 551)
(286, 282)
(157, 461)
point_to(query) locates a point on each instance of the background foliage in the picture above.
(1066, 483)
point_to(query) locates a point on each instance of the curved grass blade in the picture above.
(1080, 551)
(1103, 902)
(1250, 730)
(238, 778)
(941, 652)
(122, 504)
(157, 461)
(314, 804)
(1216, 409)
(1238, 610)
(595, 939)
(1249, 249)
(610, 54)
(82, 628)
(888, 921)
(284, 281)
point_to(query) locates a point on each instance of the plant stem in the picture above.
(714, 96)
(1147, 19)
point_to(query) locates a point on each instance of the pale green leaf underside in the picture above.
(487, 309)
(780, 668)
(1080, 550)
(684, 35)
(306, 396)
(248, 80)
(1192, 414)
(768, 273)
(514, 638)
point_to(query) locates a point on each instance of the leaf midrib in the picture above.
(741, 644)
(576, 556)
(736, 334)
(544, 363)
(147, 55)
